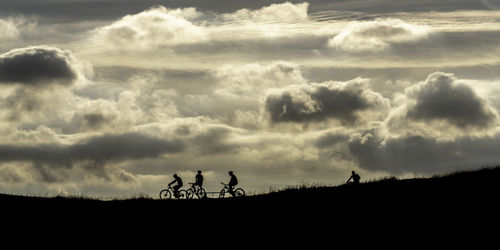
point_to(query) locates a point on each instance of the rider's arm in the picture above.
(172, 182)
(348, 179)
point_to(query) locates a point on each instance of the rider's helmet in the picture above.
(175, 175)
(199, 171)
(230, 172)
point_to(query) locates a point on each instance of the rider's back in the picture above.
(199, 179)
(179, 181)
(233, 181)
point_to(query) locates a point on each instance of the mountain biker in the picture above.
(198, 179)
(232, 183)
(198, 186)
(354, 177)
(176, 187)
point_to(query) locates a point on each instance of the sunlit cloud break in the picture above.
(377, 35)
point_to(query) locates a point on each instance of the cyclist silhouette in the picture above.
(176, 187)
(199, 179)
(232, 183)
(354, 177)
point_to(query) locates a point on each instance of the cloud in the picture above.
(156, 26)
(21, 101)
(443, 98)
(94, 120)
(253, 80)
(39, 65)
(215, 140)
(14, 28)
(11, 174)
(438, 125)
(419, 154)
(236, 92)
(98, 148)
(52, 161)
(187, 30)
(342, 101)
(331, 139)
(8, 30)
(377, 35)
(283, 12)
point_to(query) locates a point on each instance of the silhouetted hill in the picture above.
(466, 196)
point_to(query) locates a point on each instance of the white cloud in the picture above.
(270, 22)
(160, 27)
(284, 12)
(153, 27)
(15, 29)
(8, 30)
(377, 35)
(253, 80)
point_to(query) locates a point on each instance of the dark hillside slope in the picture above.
(460, 195)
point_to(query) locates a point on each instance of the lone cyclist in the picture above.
(198, 179)
(176, 187)
(232, 183)
(354, 177)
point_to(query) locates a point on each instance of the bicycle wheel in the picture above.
(165, 194)
(222, 193)
(201, 193)
(239, 192)
(190, 193)
(182, 195)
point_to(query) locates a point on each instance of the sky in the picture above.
(110, 98)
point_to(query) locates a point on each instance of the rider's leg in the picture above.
(176, 191)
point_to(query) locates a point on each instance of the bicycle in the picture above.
(166, 194)
(239, 192)
(195, 190)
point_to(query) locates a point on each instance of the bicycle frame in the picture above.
(196, 190)
(194, 187)
(236, 191)
(225, 187)
(169, 191)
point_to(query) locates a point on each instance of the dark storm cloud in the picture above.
(214, 141)
(440, 97)
(419, 154)
(36, 66)
(98, 149)
(318, 102)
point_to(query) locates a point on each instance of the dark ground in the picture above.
(460, 202)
